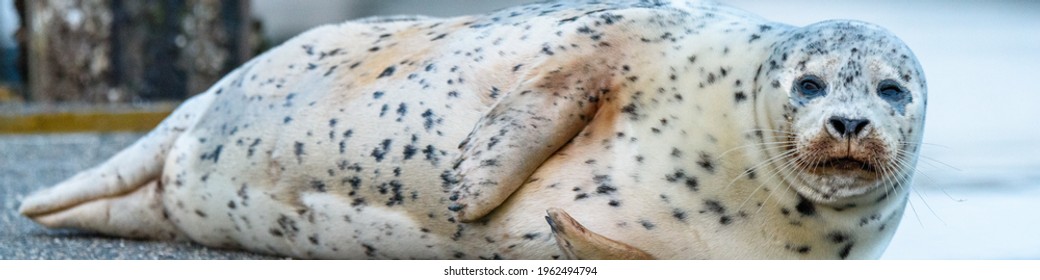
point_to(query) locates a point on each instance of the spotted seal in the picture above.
(646, 129)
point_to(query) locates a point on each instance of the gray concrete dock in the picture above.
(31, 162)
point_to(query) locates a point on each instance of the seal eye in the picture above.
(891, 91)
(811, 87)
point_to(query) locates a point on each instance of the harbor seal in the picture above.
(646, 129)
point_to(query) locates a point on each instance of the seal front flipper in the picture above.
(102, 198)
(578, 243)
(520, 132)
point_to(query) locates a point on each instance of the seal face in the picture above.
(621, 129)
(855, 113)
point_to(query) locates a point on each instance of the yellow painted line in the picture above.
(89, 121)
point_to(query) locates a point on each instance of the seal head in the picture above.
(853, 116)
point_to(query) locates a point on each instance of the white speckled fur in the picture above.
(428, 138)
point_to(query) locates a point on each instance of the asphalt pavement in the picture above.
(31, 162)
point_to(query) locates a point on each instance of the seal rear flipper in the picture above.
(120, 176)
(520, 132)
(138, 214)
(578, 243)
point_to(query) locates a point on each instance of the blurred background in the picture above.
(80, 79)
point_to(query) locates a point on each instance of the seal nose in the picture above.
(848, 127)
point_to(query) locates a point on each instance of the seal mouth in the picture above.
(863, 159)
(844, 167)
(847, 164)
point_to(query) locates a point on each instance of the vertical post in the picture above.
(111, 51)
(10, 77)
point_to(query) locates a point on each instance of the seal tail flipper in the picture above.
(138, 214)
(122, 177)
(577, 242)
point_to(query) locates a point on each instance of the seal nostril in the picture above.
(848, 127)
(838, 125)
(858, 126)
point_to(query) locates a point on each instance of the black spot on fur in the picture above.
(448, 178)
(288, 226)
(355, 181)
(725, 220)
(387, 72)
(676, 176)
(883, 197)
(428, 119)
(243, 194)
(379, 152)
(318, 186)
(804, 249)
(409, 151)
(691, 182)
(631, 110)
(431, 154)
(494, 93)
(679, 215)
(706, 163)
(458, 232)
(844, 253)
(805, 207)
(837, 237)
(252, 148)
(647, 224)
(214, 155)
(398, 196)
(331, 69)
(750, 173)
(358, 202)
(714, 206)
(298, 151)
(546, 49)
(402, 109)
(369, 250)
